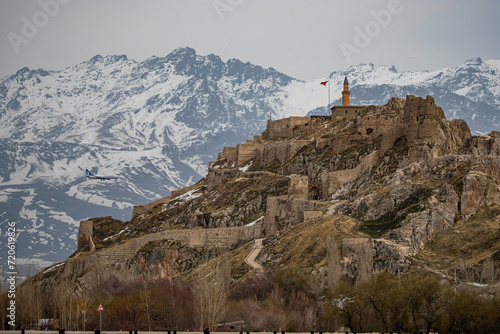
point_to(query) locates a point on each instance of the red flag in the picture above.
(324, 83)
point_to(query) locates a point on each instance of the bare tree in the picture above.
(488, 272)
(332, 261)
(465, 270)
(60, 296)
(84, 306)
(276, 318)
(29, 299)
(210, 293)
(365, 265)
(147, 296)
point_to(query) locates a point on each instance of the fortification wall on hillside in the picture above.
(229, 154)
(416, 106)
(238, 156)
(216, 176)
(283, 128)
(347, 111)
(139, 210)
(113, 261)
(295, 207)
(299, 187)
(246, 152)
(281, 151)
(333, 181)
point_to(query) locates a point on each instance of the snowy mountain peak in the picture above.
(474, 61)
(182, 57)
(107, 59)
(26, 73)
(371, 67)
(182, 52)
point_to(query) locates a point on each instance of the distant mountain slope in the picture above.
(158, 123)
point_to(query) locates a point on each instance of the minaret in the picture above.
(345, 93)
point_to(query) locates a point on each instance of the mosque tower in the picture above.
(346, 109)
(345, 93)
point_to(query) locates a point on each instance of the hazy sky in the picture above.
(305, 39)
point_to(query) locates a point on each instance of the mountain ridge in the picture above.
(159, 122)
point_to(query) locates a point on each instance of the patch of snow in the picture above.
(255, 221)
(190, 195)
(63, 216)
(245, 167)
(19, 176)
(494, 62)
(53, 267)
(464, 91)
(115, 235)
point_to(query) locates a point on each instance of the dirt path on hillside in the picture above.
(250, 260)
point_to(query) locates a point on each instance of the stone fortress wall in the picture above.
(417, 124)
(271, 144)
(275, 143)
(113, 260)
(85, 234)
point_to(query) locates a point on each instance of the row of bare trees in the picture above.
(287, 299)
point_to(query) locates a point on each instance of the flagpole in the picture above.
(328, 106)
(324, 83)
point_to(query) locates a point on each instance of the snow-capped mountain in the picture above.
(157, 123)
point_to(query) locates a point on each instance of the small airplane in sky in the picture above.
(100, 177)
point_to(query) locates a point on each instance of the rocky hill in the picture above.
(159, 122)
(394, 187)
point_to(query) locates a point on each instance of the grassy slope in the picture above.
(468, 243)
(303, 246)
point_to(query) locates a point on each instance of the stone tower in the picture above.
(299, 187)
(85, 233)
(345, 93)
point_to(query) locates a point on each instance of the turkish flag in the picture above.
(324, 83)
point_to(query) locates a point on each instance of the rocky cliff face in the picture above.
(159, 121)
(395, 175)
